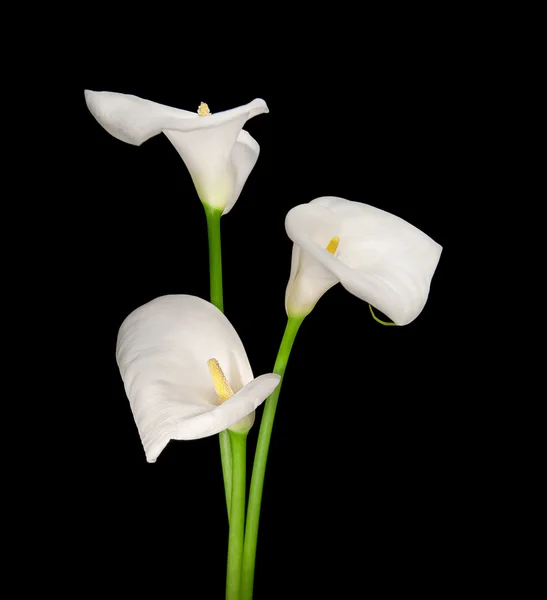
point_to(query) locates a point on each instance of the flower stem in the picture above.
(237, 516)
(261, 457)
(215, 255)
(215, 279)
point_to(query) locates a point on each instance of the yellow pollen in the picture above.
(333, 244)
(222, 387)
(203, 110)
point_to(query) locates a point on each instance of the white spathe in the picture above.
(219, 154)
(380, 258)
(162, 351)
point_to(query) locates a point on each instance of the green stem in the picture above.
(261, 457)
(237, 516)
(226, 460)
(215, 279)
(215, 255)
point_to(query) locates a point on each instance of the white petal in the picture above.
(162, 352)
(308, 281)
(132, 119)
(381, 258)
(218, 154)
(244, 157)
(219, 160)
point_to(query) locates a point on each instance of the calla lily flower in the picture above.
(375, 255)
(186, 373)
(219, 154)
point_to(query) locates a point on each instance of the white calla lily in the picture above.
(181, 360)
(375, 255)
(219, 154)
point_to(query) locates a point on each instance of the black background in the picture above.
(360, 480)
